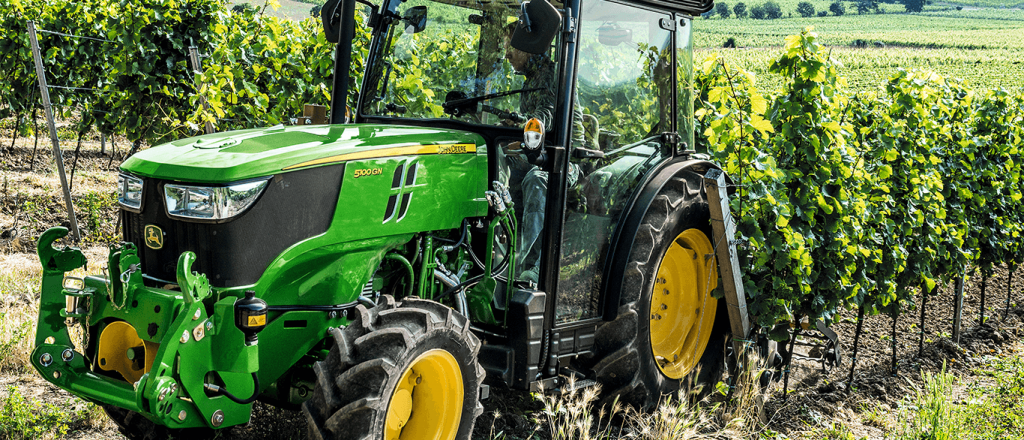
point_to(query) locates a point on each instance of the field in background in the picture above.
(981, 47)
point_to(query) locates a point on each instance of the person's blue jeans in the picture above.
(535, 197)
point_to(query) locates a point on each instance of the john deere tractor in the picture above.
(510, 201)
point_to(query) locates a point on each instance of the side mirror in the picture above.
(538, 24)
(415, 19)
(612, 35)
(330, 15)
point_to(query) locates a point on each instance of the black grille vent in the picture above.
(294, 207)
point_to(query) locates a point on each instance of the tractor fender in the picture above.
(625, 233)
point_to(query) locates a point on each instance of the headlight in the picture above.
(129, 192)
(212, 203)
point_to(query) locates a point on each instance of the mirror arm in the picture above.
(568, 24)
(541, 160)
(525, 17)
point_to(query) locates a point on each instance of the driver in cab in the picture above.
(539, 73)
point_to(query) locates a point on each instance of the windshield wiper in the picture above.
(456, 102)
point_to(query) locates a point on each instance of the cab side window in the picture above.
(625, 90)
(624, 78)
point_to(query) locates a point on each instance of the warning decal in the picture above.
(257, 320)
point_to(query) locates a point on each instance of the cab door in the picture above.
(624, 95)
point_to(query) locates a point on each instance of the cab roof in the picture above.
(691, 7)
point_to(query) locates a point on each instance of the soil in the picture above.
(818, 397)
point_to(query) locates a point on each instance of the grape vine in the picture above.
(843, 201)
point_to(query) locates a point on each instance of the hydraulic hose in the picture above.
(465, 229)
(216, 390)
(501, 267)
(408, 267)
(462, 239)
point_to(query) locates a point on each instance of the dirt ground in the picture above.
(30, 201)
(820, 397)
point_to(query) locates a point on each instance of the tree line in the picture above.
(771, 10)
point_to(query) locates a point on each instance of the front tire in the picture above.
(670, 332)
(398, 371)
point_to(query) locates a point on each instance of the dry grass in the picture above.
(741, 415)
(19, 309)
(676, 418)
(571, 416)
(20, 277)
(679, 417)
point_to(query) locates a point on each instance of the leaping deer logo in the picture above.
(154, 237)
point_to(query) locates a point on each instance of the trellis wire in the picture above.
(87, 89)
(44, 31)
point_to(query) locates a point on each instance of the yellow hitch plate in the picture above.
(121, 350)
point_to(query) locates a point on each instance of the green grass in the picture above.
(997, 411)
(23, 418)
(984, 13)
(989, 3)
(989, 411)
(932, 414)
(967, 7)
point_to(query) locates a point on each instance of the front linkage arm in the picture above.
(183, 338)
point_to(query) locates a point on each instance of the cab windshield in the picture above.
(457, 64)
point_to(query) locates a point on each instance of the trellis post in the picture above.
(724, 227)
(958, 306)
(48, 110)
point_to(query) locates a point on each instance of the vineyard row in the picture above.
(864, 201)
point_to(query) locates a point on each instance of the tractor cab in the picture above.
(603, 90)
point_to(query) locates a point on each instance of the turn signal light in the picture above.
(533, 134)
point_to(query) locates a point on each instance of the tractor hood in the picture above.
(239, 155)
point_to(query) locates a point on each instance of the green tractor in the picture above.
(525, 211)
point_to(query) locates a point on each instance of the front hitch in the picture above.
(151, 350)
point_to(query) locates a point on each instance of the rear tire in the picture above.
(628, 365)
(365, 387)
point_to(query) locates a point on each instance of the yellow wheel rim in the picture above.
(682, 310)
(427, 402)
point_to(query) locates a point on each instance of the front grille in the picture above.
(294, 207)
